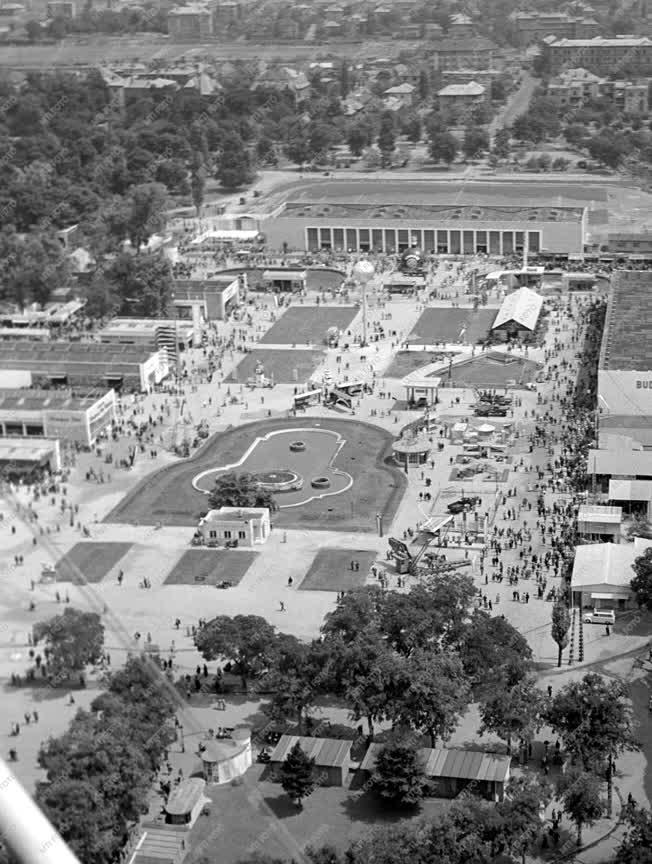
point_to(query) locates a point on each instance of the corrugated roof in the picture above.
(185, 796)
(327, 752)
(630, 490)
(453, 763)
(523, 307)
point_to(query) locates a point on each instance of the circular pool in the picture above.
(298, 446)
(282, 480)
(320, 482)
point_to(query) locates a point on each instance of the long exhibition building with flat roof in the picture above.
(437, 229)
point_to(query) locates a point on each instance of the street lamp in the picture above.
(363, 273)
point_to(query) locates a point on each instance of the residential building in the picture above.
(574, 87)
(625, 55)
(535, 26)
(461, 99)
(191, 23)
(461, 27)
(475, 53)
(403, 92)
(61, 9)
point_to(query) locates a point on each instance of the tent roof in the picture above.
(523, 307)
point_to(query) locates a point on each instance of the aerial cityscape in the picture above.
(325, 432)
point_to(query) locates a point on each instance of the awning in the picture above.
(603, 596)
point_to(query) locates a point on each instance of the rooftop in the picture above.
(597, 513)
(453, 763)
(439, 212)
(327, 752)
(470, 89)
(523, 307)
(627, 338)
(603, 42)
(623, 463)
(51, 400)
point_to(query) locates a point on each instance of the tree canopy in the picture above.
(641, 584)
(239, 490)
(73, 640)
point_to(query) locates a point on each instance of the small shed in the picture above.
(332, 757)
(450, 771)
(411, 451)
(185, 802)
(285, 280)
(599, 523)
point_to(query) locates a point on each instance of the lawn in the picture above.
(331, 570)
(168, 495)
(257, 816)
(90, 562)
(405, 362)
(210, 566)
(439, 326)
(281, 366)
(308, 324)
(494, 369)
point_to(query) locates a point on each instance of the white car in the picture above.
(600, 616)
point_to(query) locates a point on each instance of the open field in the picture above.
(490, 370)
(308, 324)
(281, 366)
(331, 570)
(405, 362)
(439, 326)
(93, 559)
(168, 496)
(210, 566)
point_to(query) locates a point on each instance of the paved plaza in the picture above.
(139, 522)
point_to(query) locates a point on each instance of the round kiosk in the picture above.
(411, 452)
(227, 758)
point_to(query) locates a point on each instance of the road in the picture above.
(516, 104)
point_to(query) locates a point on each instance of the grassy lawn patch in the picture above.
(283, 367)
(331, 570)
(308, 324)
(168, 496)
(210, 566)
(90, 562)
(438, 326)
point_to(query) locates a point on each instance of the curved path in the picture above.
(376, 487)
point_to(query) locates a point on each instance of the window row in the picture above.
(440, 241)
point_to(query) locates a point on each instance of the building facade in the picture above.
(627, 55)
(56, 414)
(440, 229)
(211, 298)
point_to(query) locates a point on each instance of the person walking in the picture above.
(281, 606)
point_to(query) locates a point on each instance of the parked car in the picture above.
(462, 504)
(600, 616)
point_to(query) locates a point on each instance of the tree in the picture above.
(143, 283)
(386, 138)
(475, 141)
(247, 641)
(294, 680)
(197, 187)
(345, 79)
(424, 86)
(580, 797)
(73, 639)
(595, 723)
(234, 164)
(413, 128)
(33, 30)
(502, 143)
(398, 774)
(147, 205)
(297, 149)
(607, 148)
(372, 158)
(436, 693)
(239, 490)
(357, 138)
(575, 134)
(636, 845)
(513, 711)
(560, 627)
(493, 651)
(519, 815)
(641, 584)
(297, 775)
(443, 147)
